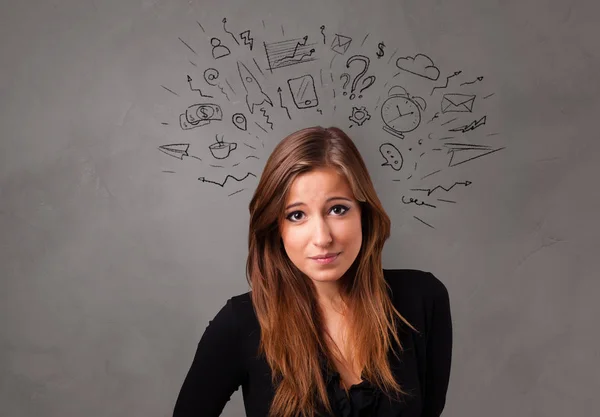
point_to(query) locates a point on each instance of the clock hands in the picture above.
(400, 114)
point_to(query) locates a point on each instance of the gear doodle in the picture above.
(359, 115)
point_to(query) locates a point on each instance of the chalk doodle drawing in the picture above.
(221, 149)
(255, 96)
(290, 52)
(393, 157)
(198, 115)
(401, 112)
(340, 43)
(420, 65)
(303, 91)
(461, 116)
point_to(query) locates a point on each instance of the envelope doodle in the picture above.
(457, 103)
(340, 44)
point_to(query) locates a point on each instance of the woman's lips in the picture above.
(323, 261)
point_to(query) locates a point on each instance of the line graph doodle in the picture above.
(198, 90)
(447, 81)
(225, 29)
(430, 191)
(290, 52)
(222, 184)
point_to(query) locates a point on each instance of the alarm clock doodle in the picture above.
(401, 112)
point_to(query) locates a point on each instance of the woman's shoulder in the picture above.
(414, 283)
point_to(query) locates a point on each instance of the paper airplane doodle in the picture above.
(465, 152)
(255, 96)
(176, 150)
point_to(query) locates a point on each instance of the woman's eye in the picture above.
(338, 210)
(292, 215)
(340, 207)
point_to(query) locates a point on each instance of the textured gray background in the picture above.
(111, 268)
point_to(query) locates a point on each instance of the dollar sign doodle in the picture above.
(380, 46)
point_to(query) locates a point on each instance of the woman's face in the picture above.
(321, 217)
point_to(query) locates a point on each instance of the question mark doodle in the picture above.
(366, 62)
(371, 79)
(347, 77)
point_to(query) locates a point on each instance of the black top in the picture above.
(226, 358)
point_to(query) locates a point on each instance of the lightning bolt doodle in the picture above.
(245, 35)
(431, 190)
(264, 112)
(471, 126)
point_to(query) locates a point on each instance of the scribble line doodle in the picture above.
(281, 104)
(177, 150)
(380, 52)
(489, 95)
(323, 33)
(472, 82)
(471, 126)
(420, 65)
(370, 79)
(229, 85)
(240, 121)
(416, 202)
(422, 221)
(282, 31)
(198, 115)
(222, 184)
(392, 56)
(430, 174)
(364, 40)
(266, 116)
(193, 63)
(221, 149)
(359, 115)
(250, 146)
(303, 91)
(261, 128)
(447, 81)
(259, 70)
(169, 90)
(252, 156)
(446, 201)
(255, 96)
(168, 172)
(430, 191)
(401, 112)
(340, 44)
(457, 103)
(218, 49)
(236, 192)
(211, 75)
(248, 41)
(449, 121)
(291, 52)
(435, 116)
(463, 152)
(393, 157)
(321, 76)
(189, 80)
(225, 29)
(188, 46)
(167, 124)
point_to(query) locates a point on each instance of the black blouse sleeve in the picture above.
(438, 353)
(216, 371)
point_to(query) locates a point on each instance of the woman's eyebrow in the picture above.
(299, 203)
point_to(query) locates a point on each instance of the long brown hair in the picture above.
(284, 298)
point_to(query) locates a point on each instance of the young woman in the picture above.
(325, 331)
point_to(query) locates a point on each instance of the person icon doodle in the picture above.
(219, 50)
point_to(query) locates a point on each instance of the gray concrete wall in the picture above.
(114, 255)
